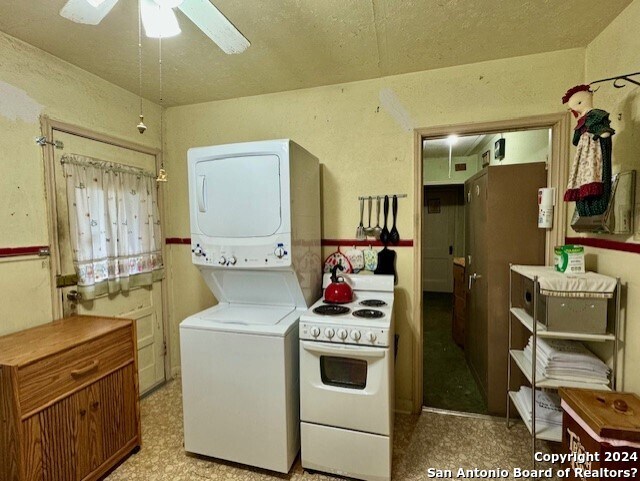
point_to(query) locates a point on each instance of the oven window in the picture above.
(343, 372)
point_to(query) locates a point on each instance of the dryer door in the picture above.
(237, 196)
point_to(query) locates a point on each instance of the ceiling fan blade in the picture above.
(81, 11)
(215, 25)
(158, 21)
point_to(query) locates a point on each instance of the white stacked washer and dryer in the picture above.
(255, 234)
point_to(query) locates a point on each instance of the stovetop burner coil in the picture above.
(368, 313)
(331, 310)
(373, 303)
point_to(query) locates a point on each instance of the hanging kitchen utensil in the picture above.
(387, 263)
(370, 259)
(369, 231)
(360, 230)
(356, 258)
(377, 229)
(394, 235)
(384, 235)
(337, 258)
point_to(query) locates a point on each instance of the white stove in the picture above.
(347, 382)
(364, 321)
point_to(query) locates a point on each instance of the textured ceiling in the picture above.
(306, 43)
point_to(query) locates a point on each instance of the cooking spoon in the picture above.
(369, 231)
(384, 235)
(360, 230)
(377, 229)
(394, 235)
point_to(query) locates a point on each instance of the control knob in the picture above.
(371, 336)
(342, 334)
(355, 335)
(197, 250)
(232, 261)
(222, 261)
(315, 332)
(329, 332)
(280, 252)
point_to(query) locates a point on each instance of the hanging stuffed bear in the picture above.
(590, 175)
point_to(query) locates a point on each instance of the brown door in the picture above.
(476, 278)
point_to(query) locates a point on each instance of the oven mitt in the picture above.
(337, 258)
(356, 258)
(387, 263)
(370, 259)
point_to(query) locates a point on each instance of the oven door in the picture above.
(344, 386)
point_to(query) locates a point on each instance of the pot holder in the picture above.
(370, 259)
(356, 258)
(336, 258)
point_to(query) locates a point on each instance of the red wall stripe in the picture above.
(363, 243)
(325, 242)
(178, 240)
(21, 251)
(604, 244)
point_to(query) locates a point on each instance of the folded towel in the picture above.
(559, 284)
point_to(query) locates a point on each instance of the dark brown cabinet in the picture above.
(501, 213)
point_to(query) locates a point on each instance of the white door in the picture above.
(144, 304)
(438, 238)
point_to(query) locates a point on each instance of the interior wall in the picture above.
(615, 52)
(520, 147)
(33, 83)
(362, 132)
(436, 169)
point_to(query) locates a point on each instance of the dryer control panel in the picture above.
(276, 254)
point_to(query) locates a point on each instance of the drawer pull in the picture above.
(85, 370)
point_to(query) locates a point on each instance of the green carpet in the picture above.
(448, 383)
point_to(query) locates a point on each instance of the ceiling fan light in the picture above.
(95, 3)
(158, 21)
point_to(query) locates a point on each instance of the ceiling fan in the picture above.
(159, 19)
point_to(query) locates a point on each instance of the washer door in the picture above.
(350, 387)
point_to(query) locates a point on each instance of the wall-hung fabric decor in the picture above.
(114, 225)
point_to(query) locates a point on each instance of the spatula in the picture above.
(384, 235)
(360, 230)
(370, 231)
(377, 229)
(394, 235)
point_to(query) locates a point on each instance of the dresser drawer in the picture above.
(47, 379)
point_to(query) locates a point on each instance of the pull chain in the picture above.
(141, 126)
(162, 174)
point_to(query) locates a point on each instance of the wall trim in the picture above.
(604, 244)
(21, 251)
(324, 242)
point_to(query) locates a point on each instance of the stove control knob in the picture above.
(232, 261)
(329, 332)
(355, 335)
(280, 252)
(371, 336)
(222, 261)
(315, 332)
(342, 334)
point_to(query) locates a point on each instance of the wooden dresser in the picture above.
(69, 404)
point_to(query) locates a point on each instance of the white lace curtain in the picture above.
(114, 225)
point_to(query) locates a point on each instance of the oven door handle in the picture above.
(344, 351)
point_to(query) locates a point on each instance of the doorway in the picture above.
(439, 343)
(145, 305)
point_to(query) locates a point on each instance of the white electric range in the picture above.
(347, 381)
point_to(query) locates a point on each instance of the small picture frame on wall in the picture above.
(486, 158)
(433, 206)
